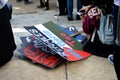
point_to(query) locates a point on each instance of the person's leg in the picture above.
(26, 0)
(46, 5)
(18, 0)
(79, 6)
(117, 61)
(65, 6)
(117, 48)
(41, 5)
(7, 41)
(62, 7)
(115, 13)
(70, 9)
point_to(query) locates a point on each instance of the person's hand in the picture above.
(77, 33)
(85, 8)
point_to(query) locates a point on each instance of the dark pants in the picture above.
(62, 7)
(26, 0)
(115, 15)
(7, 43)
(117, 61)
(117, 48)
(44, 4)
(97, 48)
(70, 7)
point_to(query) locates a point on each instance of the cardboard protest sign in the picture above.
(33, 50)
(58, 41)
(71, 30)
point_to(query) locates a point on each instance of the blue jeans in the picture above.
(70, 7)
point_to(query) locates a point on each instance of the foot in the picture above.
(63, 13)
(39, 6)
(77, 17)
(70, 19)
(45, 8)
(110, 58)
(29, 2)
(18, 0)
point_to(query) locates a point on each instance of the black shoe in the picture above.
(39, 6)
(45, 8)
(18, 0)
(29, 2)
(63, 14)
(70, 19)
(78, 17)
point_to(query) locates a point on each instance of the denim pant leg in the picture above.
(79, 5)
(70, 8)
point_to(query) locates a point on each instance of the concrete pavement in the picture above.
(92, 68)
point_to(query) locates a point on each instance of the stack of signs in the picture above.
(55, 43)
(38, 53)
(71, 30)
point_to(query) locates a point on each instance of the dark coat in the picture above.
(7, 43)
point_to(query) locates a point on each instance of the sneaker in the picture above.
(110, 58)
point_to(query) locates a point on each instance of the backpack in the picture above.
(106, 32)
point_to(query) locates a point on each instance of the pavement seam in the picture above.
(66, 74)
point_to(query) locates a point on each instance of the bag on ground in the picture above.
(105, 32)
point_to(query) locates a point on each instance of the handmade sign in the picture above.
(34, 50)
(50, 35)
(71, 30)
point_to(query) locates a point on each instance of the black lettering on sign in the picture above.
(45, 40)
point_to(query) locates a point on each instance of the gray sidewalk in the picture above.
(92, 68)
